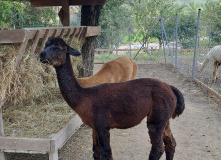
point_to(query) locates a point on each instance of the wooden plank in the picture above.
(79, 33)
(55, 33)
(1, 123)
(65, 133)
(25, 144)
(83, 33)
(20, 53)
(61, 34)
(20, 35)
(69, 32)
(37, 3)
(13, 36)
(207, 88)
(53, 155)
(93, 31)
(35, 42)
(44, 39)
(2, 156)
(73, 34)
(24, 151)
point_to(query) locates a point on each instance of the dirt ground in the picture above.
(197, 131)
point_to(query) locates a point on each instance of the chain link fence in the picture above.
(179, 53)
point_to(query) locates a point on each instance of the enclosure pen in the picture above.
(23, 82)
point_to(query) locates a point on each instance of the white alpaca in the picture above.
(213, 56)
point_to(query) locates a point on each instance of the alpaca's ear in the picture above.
(73, 52)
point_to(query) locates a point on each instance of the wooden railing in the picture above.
(22, 36)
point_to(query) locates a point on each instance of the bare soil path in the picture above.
(197, 131)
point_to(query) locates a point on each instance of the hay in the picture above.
(36, 121)
(33, 105)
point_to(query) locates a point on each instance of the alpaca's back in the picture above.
(214, 54)
(118, 70)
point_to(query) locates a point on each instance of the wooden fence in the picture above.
(22, 36)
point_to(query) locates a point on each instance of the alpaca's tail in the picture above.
(180, 102)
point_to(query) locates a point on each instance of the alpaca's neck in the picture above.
(204, 64)
(68, 84)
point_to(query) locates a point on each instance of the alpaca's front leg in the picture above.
(96, 148)
(104, 143)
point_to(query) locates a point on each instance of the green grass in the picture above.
(140, 58)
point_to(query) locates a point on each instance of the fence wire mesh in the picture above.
(127, 43)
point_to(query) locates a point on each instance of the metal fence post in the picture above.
(209, 39)
(196, 42)
(176, 40)
(167, 40)
(130, 39)
(163, 43)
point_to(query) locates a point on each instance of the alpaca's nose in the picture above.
(43, 56)
(43, 53)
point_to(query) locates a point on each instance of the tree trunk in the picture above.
(89, 17)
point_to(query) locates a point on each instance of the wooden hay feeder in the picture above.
(54, 142)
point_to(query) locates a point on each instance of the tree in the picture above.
(212, 20)
(89, 17)
(116, 17)
(21, 14)
(147, 14)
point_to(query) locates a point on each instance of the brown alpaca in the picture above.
(118, 70)
(117, 105)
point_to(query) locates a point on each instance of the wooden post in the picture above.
(64, 13)
(1, 123)
(53, 155)
(2, 155)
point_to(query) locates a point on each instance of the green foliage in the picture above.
(211, 17)
(148, 13)
(134, 39)
(115, 21)
(8, 10)
(21, 14)
(104, 57)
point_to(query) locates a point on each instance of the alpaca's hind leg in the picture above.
(96, 148)
(169, 141)
(156, 138)
(215, 68)
(104, 143)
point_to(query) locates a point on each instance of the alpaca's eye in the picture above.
(57, 49)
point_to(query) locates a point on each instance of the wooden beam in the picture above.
(63, 135)
(2, 156)
(13, 36)
(20, 53)
(84, 31)
(42, 3)
(20, 35)
(73, 34)
(35, 42)
(22, 144)
(93, 31)
(207, 88)
(44, 40)
(1, 123)
(64, 13)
